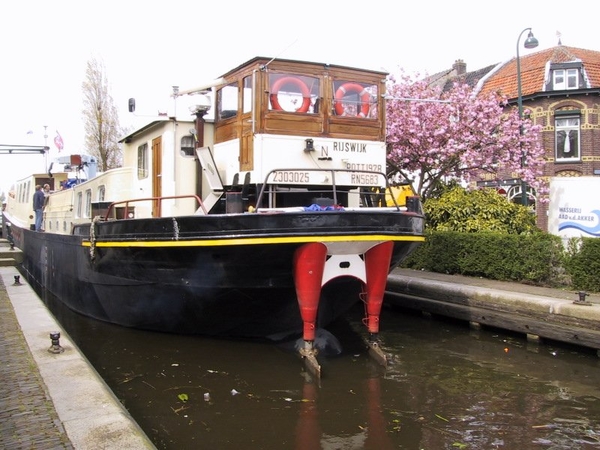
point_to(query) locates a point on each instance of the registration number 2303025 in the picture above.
(291, 177)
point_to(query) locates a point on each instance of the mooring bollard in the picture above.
(17, 281)
(582, 301)
(55, 347)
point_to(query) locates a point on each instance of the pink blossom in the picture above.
(458, 137)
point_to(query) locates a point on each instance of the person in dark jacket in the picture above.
(38, 206)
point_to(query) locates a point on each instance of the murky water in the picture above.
(447, 387)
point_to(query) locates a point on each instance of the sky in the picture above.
(148, 47)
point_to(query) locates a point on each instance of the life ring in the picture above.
(365, 98)
(297, 82)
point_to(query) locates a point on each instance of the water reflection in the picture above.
(447, 387)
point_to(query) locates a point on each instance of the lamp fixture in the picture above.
(531, 41)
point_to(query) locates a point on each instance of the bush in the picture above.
(479, 233)
(475, 211)
(583, 264)
(529, 258)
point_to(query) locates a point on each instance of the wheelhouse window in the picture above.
(142, 161)
(294, 93)
(353, 99)
(227, 102)
(247, 95)
(567, 139)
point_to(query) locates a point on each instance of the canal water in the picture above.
(447, 387)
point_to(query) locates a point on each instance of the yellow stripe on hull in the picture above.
(255, 241)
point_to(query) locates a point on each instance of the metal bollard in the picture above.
(582, 301)
(55, 347)
(17, 281)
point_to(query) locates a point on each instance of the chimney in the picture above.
(460, 67)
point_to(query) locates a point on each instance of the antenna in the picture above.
(264, 67)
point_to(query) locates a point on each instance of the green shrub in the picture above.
(528, 258)
(583, 264)
(472, 211)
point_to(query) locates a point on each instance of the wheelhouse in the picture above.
(271, 114)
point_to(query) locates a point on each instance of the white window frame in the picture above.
(88, 203)
(101, 193)
(142, 161)
(79, 204)
(565, 79)
(567, 150)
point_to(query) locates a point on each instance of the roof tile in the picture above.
(533, 70)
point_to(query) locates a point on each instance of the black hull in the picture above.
(233, 278)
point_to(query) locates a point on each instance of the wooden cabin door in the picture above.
(246, 145)
(156, 175)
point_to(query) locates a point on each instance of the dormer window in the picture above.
(566, 76)
(566, 79)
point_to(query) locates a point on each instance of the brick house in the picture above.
(561, 92)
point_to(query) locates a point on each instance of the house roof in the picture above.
(470, 78)
(503, 78)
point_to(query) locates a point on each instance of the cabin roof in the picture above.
(147, 127)
(263, 60)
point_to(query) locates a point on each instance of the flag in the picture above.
(58, 141)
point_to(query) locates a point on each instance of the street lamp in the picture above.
(530, 42)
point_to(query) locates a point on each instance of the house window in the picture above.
(101, 193)
(564, 79)
(142, 161)
(567, 139)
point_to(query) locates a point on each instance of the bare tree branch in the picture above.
(101, 119)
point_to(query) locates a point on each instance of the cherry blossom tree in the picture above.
(437, 137)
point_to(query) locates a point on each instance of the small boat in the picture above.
(264, 213)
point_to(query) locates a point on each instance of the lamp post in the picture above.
(530, 42)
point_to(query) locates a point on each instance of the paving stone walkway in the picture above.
(27, 416)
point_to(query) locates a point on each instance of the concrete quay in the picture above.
(537, 312)
(9, 254)
(52, 400)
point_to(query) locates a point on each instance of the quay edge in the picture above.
(537, 312)
(10, 256)
(87, 409)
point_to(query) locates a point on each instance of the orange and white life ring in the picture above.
(296, 82)
(365, 98)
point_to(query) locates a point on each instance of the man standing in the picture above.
(38, 206)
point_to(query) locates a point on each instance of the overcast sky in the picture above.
(147, 47)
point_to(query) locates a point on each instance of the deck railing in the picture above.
(372, 191)
(150, 199)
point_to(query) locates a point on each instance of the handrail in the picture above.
(171, 197)
(332, 172)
